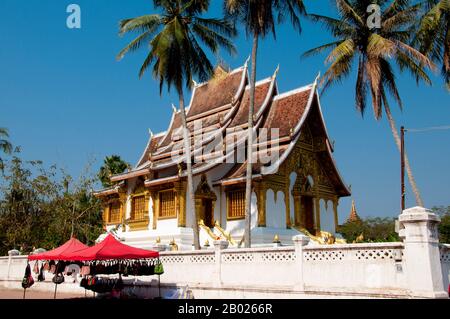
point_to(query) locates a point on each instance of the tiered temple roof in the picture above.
(222, 106)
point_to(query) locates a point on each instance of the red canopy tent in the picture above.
(110, 248)
(68, 248)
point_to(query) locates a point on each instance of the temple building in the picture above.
(296, 185)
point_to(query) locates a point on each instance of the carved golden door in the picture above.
(205, 200)
(307, 213)
(207, 212)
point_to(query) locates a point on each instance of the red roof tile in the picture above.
(215, 94)
(261, 92)
(286, 112)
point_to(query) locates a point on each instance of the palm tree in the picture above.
(5, 145)
(259, 18)
(374, 51)
(112, 165)
(174, 39)
(433, 36)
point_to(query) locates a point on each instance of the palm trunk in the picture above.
(248, 180)
(190, 189)
(412, 181)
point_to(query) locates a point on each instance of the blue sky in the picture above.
(65, 99)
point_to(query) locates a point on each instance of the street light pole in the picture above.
(402, 165)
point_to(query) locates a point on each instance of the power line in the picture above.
(428, 129)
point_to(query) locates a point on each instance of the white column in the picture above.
(300, 241)
(419, 231)
(219, 245)
(11, 253)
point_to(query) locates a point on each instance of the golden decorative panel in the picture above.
(236, 204)
(167, 207)
(114, 212)
(138, 208)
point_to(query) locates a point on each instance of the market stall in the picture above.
(109, 257)
(67, 248)
(109, 249)
(51, 257)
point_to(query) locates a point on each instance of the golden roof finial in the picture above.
(247, 61)
(317, 78)
(219, 74)
(174, 109)
(276, 72)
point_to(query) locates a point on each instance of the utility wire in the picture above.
(428, 129)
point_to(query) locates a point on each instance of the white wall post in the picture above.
(300, 241)
(418, 229)
(11, 253)
(219, 245)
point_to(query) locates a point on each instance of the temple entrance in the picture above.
(307, 213)
(205, 200)
(208, 212)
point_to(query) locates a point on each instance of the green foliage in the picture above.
(371, 229)
(373, 52)
(259, 17)
(5, 145)
(39, 208)
(112, 165)
(444, 226)
(432, 37)
(174, 39)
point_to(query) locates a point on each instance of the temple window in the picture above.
(138, 208)
(236, 204)
(114, 212)
(167, 204)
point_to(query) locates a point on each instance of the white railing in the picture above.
(416, 267)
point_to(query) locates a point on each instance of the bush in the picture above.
(372, 230)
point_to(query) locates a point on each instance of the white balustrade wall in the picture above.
(445, 261)
(418, 267)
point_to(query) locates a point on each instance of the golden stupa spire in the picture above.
(219, 74)
(353, 214)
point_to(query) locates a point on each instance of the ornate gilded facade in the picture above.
(290, 193)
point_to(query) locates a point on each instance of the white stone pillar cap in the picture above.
(160, 247)
(221, 244)
(13, 252)
(301, 239)
(418, 214)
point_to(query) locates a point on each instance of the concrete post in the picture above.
(300, 241)
(219, 245)
(11, 253)
(418, 229)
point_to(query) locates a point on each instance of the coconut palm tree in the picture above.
(433, 35)
(112, 165)
(374, 51)
(174, 38)
(5, 145)
(259, 18)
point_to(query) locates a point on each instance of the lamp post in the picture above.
(402, 165)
